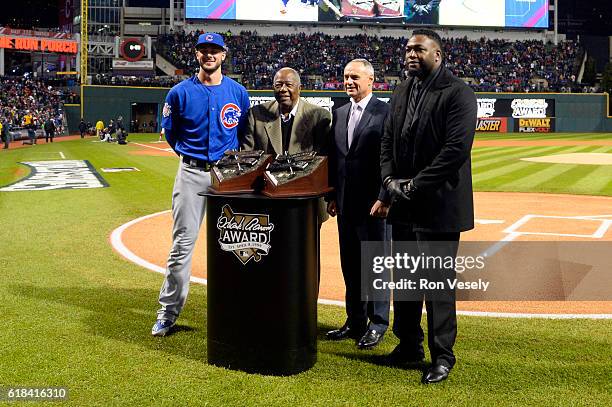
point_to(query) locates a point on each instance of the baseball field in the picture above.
(77, 313)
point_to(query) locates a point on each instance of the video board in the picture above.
(479, 13)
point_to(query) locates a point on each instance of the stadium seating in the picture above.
(488, 65)
(23, 96)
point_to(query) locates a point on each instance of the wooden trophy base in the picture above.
(239, 174)
(304, 178)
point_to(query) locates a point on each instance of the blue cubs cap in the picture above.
(211, 38)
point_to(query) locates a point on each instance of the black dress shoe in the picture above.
(435, 374)
(343, 333)
(399, 356)
(371, 338)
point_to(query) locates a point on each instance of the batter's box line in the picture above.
(599, 233)
(513, 233)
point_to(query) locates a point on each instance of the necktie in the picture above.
(413, 100)
(353, 121)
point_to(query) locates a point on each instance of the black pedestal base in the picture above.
(270, 361)
(262, 258)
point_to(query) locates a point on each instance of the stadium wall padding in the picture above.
(582, 113)
(73, 116)
(109, 102)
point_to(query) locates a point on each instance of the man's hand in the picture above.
(395, 186)
(379, 209)
(331, 208)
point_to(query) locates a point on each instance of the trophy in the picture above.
(239, 172)
(302, 174)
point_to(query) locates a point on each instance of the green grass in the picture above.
(76, 314)
(501, 168)
(544, 136)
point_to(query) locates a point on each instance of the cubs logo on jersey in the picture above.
(230, 115)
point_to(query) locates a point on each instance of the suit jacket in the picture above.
(355, 171)
(443, 132)
(309, 132)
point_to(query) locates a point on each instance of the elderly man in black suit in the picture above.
(426, 167)
(360, 201)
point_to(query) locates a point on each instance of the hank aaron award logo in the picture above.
(247, 235)
(230, 115)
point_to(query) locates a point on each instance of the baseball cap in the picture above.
(211, 38)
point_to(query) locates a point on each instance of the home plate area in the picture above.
(501, 217)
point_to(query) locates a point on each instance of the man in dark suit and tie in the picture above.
(360, 201)
(426, 167)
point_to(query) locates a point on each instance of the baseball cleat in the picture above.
(161, 327)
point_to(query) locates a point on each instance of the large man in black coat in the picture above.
(426, 167)
(360, 201)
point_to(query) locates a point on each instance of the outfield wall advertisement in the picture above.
(544, 125)
(484, 13)
(581, 113)
(492, 124)
(526, 115)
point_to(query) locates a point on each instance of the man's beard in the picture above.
(210, 70)
(422, 72)
(413, 72)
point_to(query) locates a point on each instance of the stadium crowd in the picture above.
(27, 103)
(125, 80)
(488, 64)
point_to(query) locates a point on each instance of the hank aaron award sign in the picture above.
(246, 235)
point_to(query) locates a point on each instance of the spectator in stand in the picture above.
(28, 120)
(59, 125)
(120, 80)
(24, 99)
(493, 64)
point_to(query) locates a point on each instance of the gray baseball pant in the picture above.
(187, 213)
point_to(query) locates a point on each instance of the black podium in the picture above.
(262, 282)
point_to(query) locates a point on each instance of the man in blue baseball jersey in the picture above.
(201, 120)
